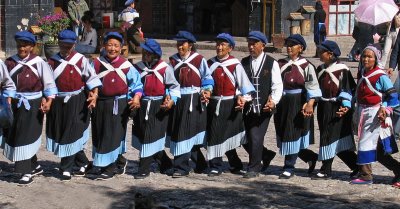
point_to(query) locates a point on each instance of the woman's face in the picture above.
(183, 48)
(368, 59)
(24, 48)
(293, 49)
(113, 48)
(147, 56)
(397, 20)
(325, 56)
(223, 49)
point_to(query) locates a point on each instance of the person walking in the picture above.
(319, 24)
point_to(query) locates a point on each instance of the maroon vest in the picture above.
(186, 76)
(222, 84)
(25, 80)
(364, 94)
(152, 86)
(291, 76)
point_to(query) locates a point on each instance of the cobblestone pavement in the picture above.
(198, 190)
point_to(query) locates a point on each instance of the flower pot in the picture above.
(50, 50)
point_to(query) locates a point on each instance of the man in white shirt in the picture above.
(264, 73)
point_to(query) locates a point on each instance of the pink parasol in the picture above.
(375, 12)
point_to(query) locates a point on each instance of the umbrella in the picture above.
(375, 12)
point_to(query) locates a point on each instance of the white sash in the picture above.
(297, 63)
(75, 59)
(224, 66)
(187, 61)
(331, 69)
(29, 64)
(146, 70)
(118, 70)
(369, 85)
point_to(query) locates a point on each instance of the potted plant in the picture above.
(51, 25)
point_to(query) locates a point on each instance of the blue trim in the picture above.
(207, 87)
(50, 92)
(190, 90)
(207, 82)
(346, 103)
(9, 93)
(315, 93)
(22, 152)
(392, 100)
(174, 98)
(147, 150)
(345, 96)
(182, 147)
(293, 147)
(330, 151)
(93, 84)
(366, 157)
(65, 150)
(247, 89)
(103, 160)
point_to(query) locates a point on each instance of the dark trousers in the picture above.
(181, 162)
(256, 127)
(161, 158)
(110, 169)
(234, 161)
(348, 157)
(26, 166)
(79, 159)
(305, 155)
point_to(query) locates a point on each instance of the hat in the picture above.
(297, 38)
(152, 46)
(67, 36)
(226, 37)
(185, 36)
(129, 2)
(330, 46)
(376, 49)
(25, 36)
(257, 35)
(114, 35)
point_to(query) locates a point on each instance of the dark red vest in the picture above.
(186, 76)
(364, 94)
(222, 84)
(25, 80)
(151, 85)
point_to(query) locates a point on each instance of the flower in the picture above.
(53, 24)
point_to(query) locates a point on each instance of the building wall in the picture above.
(284, 8)
(2, 26)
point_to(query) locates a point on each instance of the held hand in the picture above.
(134, 103)
(45, 105)
(92, 99)
(167, 104)
(382, 114)
(240, 103)
(205, 96)
(308, 109)
(269, 106)
(9, 99)
(77, 22)
(342, 111)
(390, 72)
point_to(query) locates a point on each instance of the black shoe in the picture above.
(121, 169)
(25, 180)
(354, 173)
(267, 160)
(214, 173)
(81, 172)
(237, 171)
(251, 174)
(321, 176)
(66, 176)
(105, 176)
(396, 178)
(37, 171)
(286, 175)
(312, 165)
(142, 175)
(180, 174)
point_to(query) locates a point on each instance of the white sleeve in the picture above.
(277, 84)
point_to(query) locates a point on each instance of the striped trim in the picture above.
(366, 157)
(146, 150)
(330, 151)
(65, 150)
(103, 160)
(294, 147)
(229, 144)
(23, 152)
(182, 147)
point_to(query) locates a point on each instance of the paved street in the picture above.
(198, 190)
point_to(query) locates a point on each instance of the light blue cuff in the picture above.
(9, 93)
(345, 96)
(313, 94)
(174, 98)
(50, 91)
(93, 84)
(207, 87)
(247, 90)
(346, 103)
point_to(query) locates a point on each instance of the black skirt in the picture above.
(109, 130)
(189, 127)
(67, 126)
(149, 133)
(23, 139)
(225, 131)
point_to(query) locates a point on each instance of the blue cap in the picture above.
(114, 35)
(330, 46)
(129, 2)
(67, 36)
(152, 46)
(297, 38)
(25, 36)
(226, 37)
(185, 36)
(257, 35)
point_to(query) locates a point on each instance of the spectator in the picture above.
(128, 14)
(135, 36)
(76, 9)
(319, 25)
(88, 42)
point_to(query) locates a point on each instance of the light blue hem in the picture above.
(294, 147)
(329, 151)
(183, 147)
(103, 160)
(66, 150)
(23, 152)
(219, 150)
(366, 157)
(9, 93)
(147, 150)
